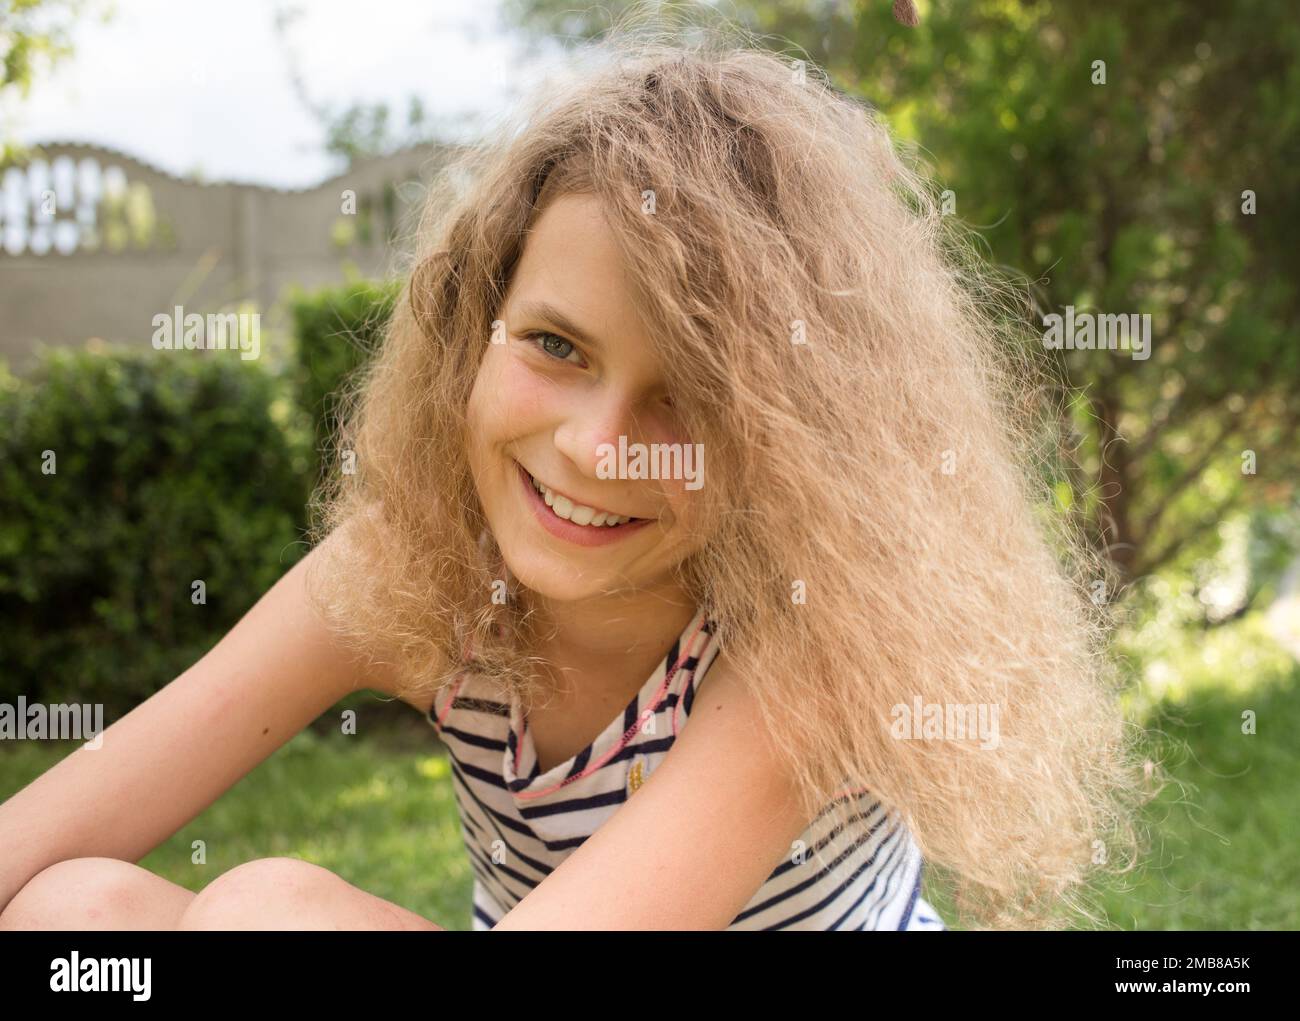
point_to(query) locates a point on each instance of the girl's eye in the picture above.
(556, 347)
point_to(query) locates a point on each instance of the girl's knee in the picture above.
(270, 893)
(81, 893)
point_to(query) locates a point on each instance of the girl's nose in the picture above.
(584, 433)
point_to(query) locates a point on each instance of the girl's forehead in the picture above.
(571, 277)
(572, 239)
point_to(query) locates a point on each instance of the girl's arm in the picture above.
(168, 759)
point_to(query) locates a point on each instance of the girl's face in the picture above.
(573, 370)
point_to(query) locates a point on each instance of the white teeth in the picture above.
(577, 513)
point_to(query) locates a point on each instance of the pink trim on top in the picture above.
(455, 689)
(627, 735)
(519, 741)
(465, 657)
(694, 674)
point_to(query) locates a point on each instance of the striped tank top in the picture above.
(519, 823)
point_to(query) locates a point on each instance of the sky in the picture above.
(198, 86)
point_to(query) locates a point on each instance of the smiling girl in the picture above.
(666, 706)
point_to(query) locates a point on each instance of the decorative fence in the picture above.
(95, 243)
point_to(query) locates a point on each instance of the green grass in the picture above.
(379, 810)
(382, 817)
(1222, 833)
(1225, 829)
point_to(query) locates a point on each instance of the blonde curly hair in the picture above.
(873, 420)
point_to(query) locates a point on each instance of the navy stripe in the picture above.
(580, 761)
(515, 825)
(480, 705)
(911, 901)
(631, 719)
(512, 743)
(674, 651)
(891, 871)
(467, 819)
(824, 871)
(494, 817)
(490, 875)
(629, 751)
(479, 773)
(492, 744)
(616, 797)
(632, 714)
(569, 844)
(789, 863)
(688, 696)
(872, 914)
(892, 850)
(840, 889)
(479, 854)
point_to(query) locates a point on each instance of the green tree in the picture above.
(34, 36)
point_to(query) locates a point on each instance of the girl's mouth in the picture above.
(582, 525)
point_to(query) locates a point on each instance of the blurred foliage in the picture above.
(336, 329)
(365, 130)
(166, 471)
(34, 36)
(1236, 569)
(358, 130)
(1122, 197)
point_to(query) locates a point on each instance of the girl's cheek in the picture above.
(523, 395)
(665, 429)
(507, 394)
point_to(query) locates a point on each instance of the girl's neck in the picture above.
(619, 637)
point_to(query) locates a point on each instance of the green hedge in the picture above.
(170, 468)
(336, 329)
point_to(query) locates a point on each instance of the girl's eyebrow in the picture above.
(545, 311)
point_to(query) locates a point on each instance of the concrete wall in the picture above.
(137, 241)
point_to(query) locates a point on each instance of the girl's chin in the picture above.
(559, 589)
(553, 578)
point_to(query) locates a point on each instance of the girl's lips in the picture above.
(580, 535)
